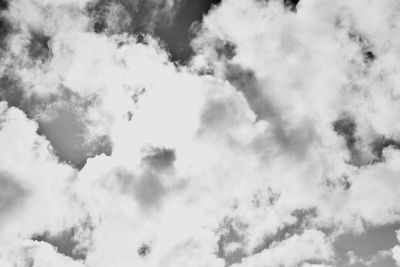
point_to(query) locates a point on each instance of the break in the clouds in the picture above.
(243, 133)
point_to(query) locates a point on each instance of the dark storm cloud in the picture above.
(11, 192)
(65, 243)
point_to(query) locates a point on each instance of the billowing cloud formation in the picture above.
(277, 138)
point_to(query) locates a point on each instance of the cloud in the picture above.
(132, 15)
(29, 169)
(276, 138)
(299, 249)
(33, 253)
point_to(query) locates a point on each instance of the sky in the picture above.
(194, 133)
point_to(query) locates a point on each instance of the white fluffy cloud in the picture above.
(310, 246)
(32, 253)
(279, 135)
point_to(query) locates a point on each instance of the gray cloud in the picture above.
(295, 140)
(11, 193)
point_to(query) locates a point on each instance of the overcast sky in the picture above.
(194, 133)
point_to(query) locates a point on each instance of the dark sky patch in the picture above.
(367, 244)
(11, 90)
(291, 4)
(5, 28)
(67, 134)
(11, 192)
(174, 28)
(179, 33)
(66, 130)
(65, 243)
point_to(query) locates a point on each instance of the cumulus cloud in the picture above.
(32, 253)
(279, 135)
(35, 194)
